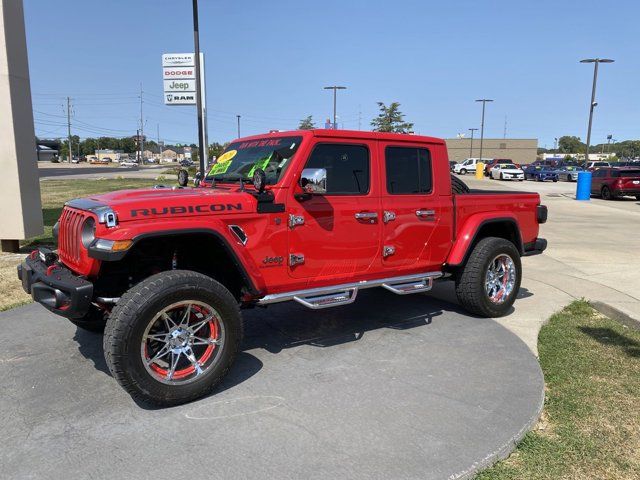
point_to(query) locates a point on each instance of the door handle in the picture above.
(430, 214)
(366, 215)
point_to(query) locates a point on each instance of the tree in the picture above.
(390, 119)
(307, 123)
(570, 144)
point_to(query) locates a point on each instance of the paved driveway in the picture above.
(388, 387)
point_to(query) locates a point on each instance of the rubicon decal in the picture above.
(179, 210)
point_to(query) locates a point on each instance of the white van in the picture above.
(469, 165)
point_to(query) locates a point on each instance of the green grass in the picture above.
(590, 427)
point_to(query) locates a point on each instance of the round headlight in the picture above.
(88, 232)
(259, 180)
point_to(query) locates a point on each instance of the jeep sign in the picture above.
(180, 85)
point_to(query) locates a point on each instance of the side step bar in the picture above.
(335, 295)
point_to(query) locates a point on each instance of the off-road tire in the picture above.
(470, 282)
(94, 321)
(458, 186)
(135, 309)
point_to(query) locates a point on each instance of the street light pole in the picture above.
(238, 117)
(471, 146)
(484, 101)
(592, 105)
(335, 88)
(196, 44)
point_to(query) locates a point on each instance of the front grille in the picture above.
(69, 236)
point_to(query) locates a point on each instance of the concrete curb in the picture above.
(616, 314)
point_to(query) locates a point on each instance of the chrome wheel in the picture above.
(182, 342)
(500, 279)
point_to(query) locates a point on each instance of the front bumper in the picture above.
(54, 286)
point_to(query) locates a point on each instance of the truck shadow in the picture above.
(289, 325)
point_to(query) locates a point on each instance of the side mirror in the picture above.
(183, 178)
(197, 179)
(314, 180)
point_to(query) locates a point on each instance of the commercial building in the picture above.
(520, 150)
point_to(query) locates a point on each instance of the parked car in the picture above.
(186, 163)
(591, 166)
(611, 183)
(489, 165)
(507, 171)
(126, 163)
(169, 270)
(540, 173)
(569, 173)
(469, 165)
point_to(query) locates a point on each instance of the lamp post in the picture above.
(238, 117)
(471, 146)
(592, 105)
(335, 88)
(484, 102)
(202, 153)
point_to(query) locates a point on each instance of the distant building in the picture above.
(114, 155)
(593, 157)
(520, 150)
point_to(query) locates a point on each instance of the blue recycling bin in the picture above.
(583, 188)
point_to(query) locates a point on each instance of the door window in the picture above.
(347, 167)
(408, 170)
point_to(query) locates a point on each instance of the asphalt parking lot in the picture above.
(389, 387)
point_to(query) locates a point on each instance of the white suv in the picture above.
(469, 165)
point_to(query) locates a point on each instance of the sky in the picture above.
(268, 61)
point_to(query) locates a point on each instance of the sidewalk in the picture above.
(593, 253)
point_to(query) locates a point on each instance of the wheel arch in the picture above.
(475, 229)
(202, 250)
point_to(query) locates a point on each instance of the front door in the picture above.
(415, 232)
(337, 233)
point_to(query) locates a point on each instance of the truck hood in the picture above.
(142, 204)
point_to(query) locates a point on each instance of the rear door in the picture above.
(337, 233)
(597, 179)
(415, 232)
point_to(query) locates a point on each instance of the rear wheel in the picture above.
(463, 171)
(489, 282)
(606, 193)
(173, 337)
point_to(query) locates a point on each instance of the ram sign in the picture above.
(179, 78)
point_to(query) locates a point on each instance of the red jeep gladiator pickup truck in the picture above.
(310, 216)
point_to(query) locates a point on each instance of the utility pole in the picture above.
(555, 144)
(592, 105)
(141, 129)
(238, 118)
(504, 134)
(335, 88)
(196, 44)
(69, 127)
(471, 147)
(159, 147)
(484, 102)
(359, 118)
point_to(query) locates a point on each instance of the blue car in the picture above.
(540, 173)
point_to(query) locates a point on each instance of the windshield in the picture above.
(509, 166)
(241, 159)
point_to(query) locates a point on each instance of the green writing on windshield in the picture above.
(262, 164)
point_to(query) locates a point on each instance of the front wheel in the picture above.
(489, 282)
(173, 337)
(463, 171)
